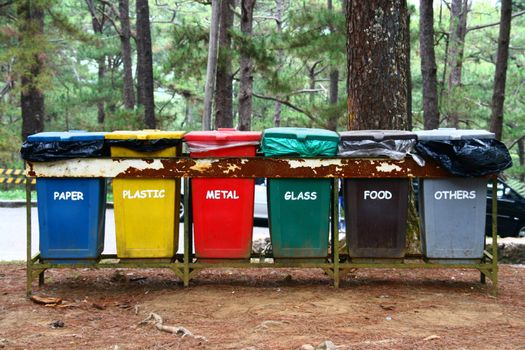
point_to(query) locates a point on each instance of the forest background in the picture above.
(103, 65)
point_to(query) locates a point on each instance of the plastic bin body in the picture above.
(146, 210)
(299, 209)
(299, 217)
(223, 208)
(71, 215)
(71, 211)
(453, 217)
(376, 210)
(453, 210)
(376, 215)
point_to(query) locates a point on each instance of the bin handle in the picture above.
(222, 137)
(301, 136)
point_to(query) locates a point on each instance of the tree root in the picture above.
(178, 330)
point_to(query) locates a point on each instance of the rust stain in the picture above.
(238, 168)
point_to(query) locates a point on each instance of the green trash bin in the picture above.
(299, 209)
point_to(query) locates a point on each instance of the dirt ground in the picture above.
(264, 309)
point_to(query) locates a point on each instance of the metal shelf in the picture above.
(186, 265)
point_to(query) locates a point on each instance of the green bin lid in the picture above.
(302, 134)
(303, 142)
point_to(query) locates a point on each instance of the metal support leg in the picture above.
(41, 276)
(29, 263)
(494, 262)
(187, 233)
(335, 230)
(482, 277)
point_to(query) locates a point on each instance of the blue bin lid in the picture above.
(66, 136)
(444, 134)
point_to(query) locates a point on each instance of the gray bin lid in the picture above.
(445, 134)
(377, 135)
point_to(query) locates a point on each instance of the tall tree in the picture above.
(428, 64)
(97, 21)
(125, 35)
(212, 64)
(334, 84)
(279, 15)
(456, 48)
(145, 63)
(224, 77)
(521, 157)
(246, 66)
(409, 73)
(31, 31)
(500, 75)
(377, 63)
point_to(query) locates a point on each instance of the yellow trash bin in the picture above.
(146, 210)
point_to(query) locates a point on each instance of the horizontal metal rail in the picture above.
(185, 266)
(236, 167)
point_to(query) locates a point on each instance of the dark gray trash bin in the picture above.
(452, 210)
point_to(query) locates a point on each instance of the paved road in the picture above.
(13, 233)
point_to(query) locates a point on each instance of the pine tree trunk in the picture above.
(98, 28)
(456, 48)
(212, 64)
(145, 62)
(428, 65)
(377, 64)
(224, 84)
(333, 118)
(500, 75)
(409, 75)
(101, 113)
(31, 28)
(279, 14)
(125, 35)
(246, 68)
(331, 123)
(521, 157)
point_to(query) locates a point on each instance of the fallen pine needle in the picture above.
(432, 337)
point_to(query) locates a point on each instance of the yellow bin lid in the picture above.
(144, 135)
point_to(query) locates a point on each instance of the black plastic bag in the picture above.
(44, 151)
(145, 145)
(472, 157)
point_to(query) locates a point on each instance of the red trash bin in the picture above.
(222, 207)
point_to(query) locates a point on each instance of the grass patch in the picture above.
(15, 195)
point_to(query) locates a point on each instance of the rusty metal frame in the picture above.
(184, 167)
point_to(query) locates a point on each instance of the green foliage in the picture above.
(472, 100)
(292, 66)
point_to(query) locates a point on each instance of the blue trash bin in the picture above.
(71, 211)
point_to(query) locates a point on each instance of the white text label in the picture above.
(301, 196)
(367, 194)
(143, 194)
(68, 196)
(221, 194)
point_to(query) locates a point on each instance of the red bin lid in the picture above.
(223, 134)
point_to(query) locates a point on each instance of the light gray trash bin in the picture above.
(453, 210)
